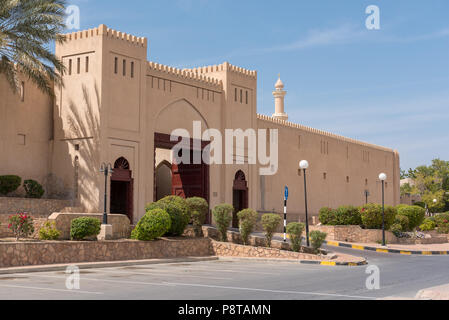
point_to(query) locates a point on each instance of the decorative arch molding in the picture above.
(122, 164)
(190, 104)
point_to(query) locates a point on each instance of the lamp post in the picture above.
(366, 196)
(304, 164)
(106, 169)
(383, 177)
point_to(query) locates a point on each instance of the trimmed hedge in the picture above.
(270, 223)
(154, 224)
(9, 184)
(343, 216)
(372, 216)
(327, 216)
(223, 215)
(247, 223)
(49, 231)
(33, 189)
(177, 208)
(86, 227)
(198, 208)
(415, 215)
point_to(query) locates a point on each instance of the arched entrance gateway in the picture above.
(122, 189)
(239, 196)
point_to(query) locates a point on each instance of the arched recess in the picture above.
(163, 180)
(121, 201)
(239, 195)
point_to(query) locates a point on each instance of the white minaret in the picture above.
(279, 95)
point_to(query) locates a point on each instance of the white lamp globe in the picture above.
(304, 164)
(435, 200)
(382, 177)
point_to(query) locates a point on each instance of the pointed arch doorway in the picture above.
(239, 196)
(121, 201)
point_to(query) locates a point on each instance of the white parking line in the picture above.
(49, 289)
(269, 290)
(161, 273)
(236, 271)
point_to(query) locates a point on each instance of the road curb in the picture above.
(382, 250)
(314, 262)
(107, 264)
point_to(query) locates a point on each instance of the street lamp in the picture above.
(106, 169)
(304, 165)
(382, 178)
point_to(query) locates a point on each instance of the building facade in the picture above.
(118, 108)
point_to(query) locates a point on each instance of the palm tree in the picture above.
(27, 28)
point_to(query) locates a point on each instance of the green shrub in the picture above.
(270, 223)
(154, 224)
(420, 204)
(442, 222)
(49, 231)
(428, 225)
(198, 208)
(348, 215)
(177, 208)
(402, 205)
(9, 184)
(414, 214)
(317, 239)
(403, 221)
(372, 216)
(33, 189)
(396, 228)
(295, 230)
(223, 216)
(86, 227)
(21, 225)
(247, 223)
(327, 216)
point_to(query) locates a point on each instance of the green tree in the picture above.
(27, 27)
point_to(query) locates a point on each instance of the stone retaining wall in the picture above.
(227, 249)
(14, 254)
(354, 234)
(35, 207)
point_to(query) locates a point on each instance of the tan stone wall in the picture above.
(37, 207)
(40, 253)
(121, 228)
(355, 234)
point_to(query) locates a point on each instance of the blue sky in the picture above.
(389, 86)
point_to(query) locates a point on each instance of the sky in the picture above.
(388, 87)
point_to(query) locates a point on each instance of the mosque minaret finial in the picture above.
(279, 95)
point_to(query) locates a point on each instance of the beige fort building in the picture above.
(116, 107)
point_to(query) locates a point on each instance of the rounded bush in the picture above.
(177, 208)
(270, 222)
(396, 228)
(9, 184)
(403, 221)
(49, 231)
(198, 208)
(86, 227)
(428, 225)
(415, 215)
(33, 189)
(295, 230)
(327, 216)
(348, 215)
(154, 224)
(372, 216)
(223, 216)
(247, 223)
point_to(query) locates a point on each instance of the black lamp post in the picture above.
(106, 169)
(304, 165)
(382, 178)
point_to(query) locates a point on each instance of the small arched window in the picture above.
(121, 163)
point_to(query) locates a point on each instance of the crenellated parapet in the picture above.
(185, 75)
(226, 66)
(321, 132)
(102, 30)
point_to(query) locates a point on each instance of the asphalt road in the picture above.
(229, 279)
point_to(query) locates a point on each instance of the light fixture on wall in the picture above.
(106, 169)
(383, 177)
(304, 165)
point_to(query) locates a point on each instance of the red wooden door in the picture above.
(189, 180)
